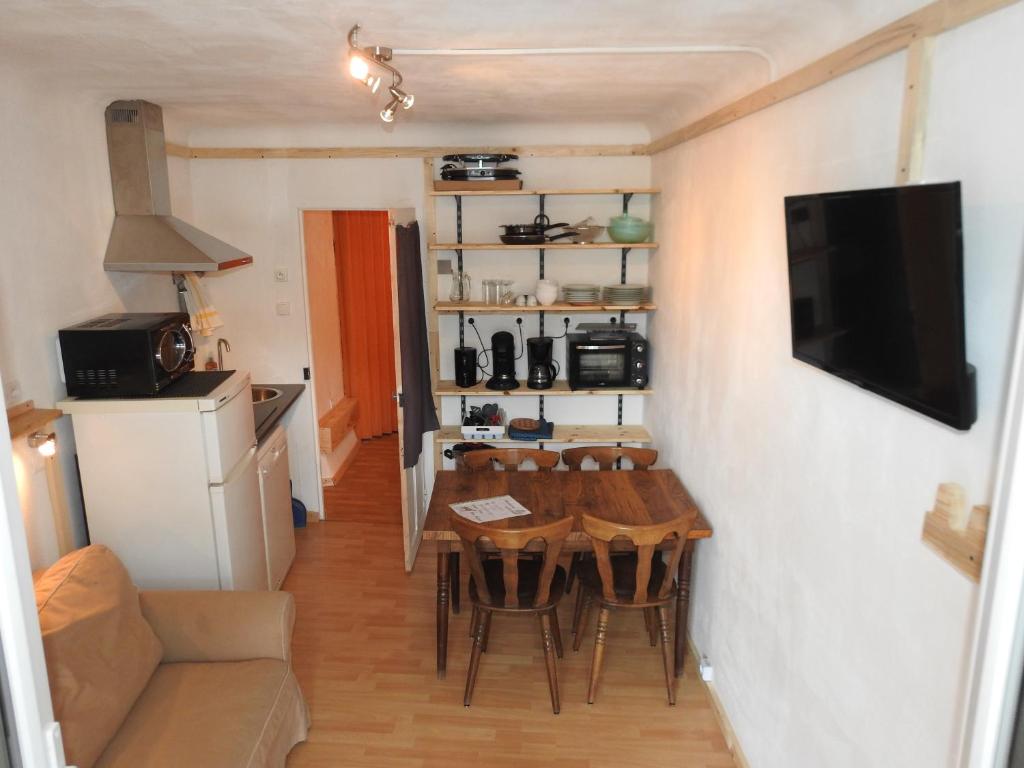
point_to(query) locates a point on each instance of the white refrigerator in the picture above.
(171, 486)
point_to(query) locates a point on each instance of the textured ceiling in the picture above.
(281, 61)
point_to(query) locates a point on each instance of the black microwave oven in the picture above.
(126, 355)
(613, 360)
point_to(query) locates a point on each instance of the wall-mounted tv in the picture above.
(876, 286)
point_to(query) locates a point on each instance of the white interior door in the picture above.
(413, 508)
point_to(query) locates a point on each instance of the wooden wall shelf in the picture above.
(555, 246)
(499, 193)
(24, 418)
(564, 433)
(447, 387)
(479, 308)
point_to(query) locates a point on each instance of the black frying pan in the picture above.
(540, 225)
(535, 239)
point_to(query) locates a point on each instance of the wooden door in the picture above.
(414, 507)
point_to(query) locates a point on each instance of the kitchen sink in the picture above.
(265, 394)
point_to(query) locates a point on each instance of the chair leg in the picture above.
(650, 621)
(473, 619)
(548, 640)
(667, 651)
(487, 629)
(573, 565)
(577, 609)
(581, 628)
(474, 660)
(456, 583)
(557, 631)
(599, 640)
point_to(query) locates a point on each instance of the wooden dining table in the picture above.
(631, 497)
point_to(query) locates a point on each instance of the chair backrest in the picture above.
(605, 457)
(645, 538)
(510, 543)
(511, 458)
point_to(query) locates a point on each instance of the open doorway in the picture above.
(352, 330)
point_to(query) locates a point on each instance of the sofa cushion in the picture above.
(225, 714)
(100, 652)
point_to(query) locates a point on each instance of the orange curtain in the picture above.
(363, 258)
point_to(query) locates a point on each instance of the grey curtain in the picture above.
(419, 414)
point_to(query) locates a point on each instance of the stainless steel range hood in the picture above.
(145, 237)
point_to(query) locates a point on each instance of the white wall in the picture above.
(256, 205)
(55, 216)
(838, 638)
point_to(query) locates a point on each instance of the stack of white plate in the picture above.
(629, 294)
(582, 293)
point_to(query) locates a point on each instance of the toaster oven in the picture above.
(126, 355)
(613, 360)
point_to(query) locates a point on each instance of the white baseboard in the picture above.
(720, 714)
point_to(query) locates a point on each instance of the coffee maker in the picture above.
(542, 370)
(503, 353)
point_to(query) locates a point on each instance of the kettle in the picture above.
(542, 375)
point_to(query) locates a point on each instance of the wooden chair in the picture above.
(640, 581)
(513, 584)
(510, 459)
(606, 457)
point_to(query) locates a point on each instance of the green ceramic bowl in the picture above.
(629, 229)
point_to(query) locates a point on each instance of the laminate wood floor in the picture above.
(364, 655)
(371, 488)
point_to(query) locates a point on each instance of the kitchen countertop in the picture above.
(268, 413)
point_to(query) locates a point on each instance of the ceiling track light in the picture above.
(360, 60)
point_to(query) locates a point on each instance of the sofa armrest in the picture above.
(220, 626)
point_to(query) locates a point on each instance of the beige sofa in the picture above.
(165, 678)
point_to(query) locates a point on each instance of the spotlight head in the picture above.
(403, 98)
(388, 113)
(358, 67)
(373, 83)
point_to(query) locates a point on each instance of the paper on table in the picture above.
(489, 510)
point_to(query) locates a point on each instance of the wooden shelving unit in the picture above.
(447, 387)
(555, 246)
(566, 433)
(616, 433)
(479, 308)
(521, 192)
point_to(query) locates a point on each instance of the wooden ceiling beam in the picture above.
(932, 19)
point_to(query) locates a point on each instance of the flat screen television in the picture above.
(876, 286)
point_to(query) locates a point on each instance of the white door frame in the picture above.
(998, 647)
(38, 736)
(411, 502)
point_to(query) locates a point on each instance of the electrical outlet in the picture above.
(284, 307)
(281, 274)
(707, 672)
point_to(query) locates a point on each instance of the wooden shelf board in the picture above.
(336, 423)
(507, 192)
(448, 387)
(564, 433)
(24, 418)
(555, 246)
(479, 308)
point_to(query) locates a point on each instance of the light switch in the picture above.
(284, 307)
(281, 274)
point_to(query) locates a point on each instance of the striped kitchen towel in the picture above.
(205, 317)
